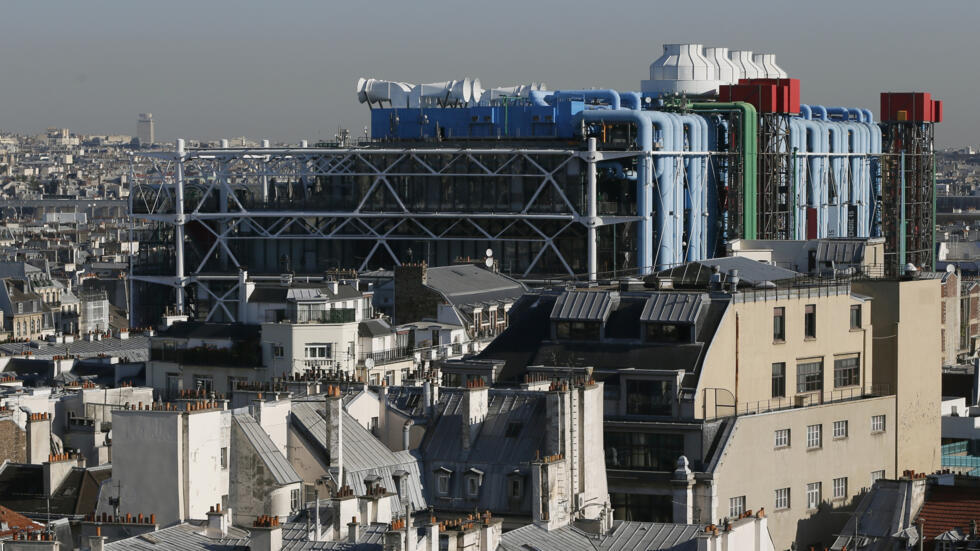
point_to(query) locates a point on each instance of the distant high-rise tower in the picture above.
(144, 130)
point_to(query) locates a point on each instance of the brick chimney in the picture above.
(474, 411)
(56, 469)
(38, 437)
(266, 534)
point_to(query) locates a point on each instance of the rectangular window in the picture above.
(779, 324)
(809, 376)
(855, 316)
(847, 372)
(317, 351)
(204, 382)
(814, 434)
(840, 429)
(779, 380)
(648, 397)
(643, 451)
(810, 321)
(473, 486)
(782, 498)
(515, 489)
(444, 484)
(840, 488)
(736, 506)
(278, 350)
(294, 500)
(876, 476)
(782, 438)
(224, 458)
(877, 423)
(813, 495)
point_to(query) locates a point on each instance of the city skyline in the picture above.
(265, 72)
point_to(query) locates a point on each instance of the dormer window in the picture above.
(668, 332)
(443, 481)
(515, 486)
(474, 479)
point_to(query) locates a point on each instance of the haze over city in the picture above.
(286, 70)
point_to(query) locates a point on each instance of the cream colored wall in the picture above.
(752, 354)
(294, 337)
(908, 357)
(751, 466)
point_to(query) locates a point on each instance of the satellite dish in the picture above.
(369, 363)
(489, 253)
(488, 262)
(950, 268)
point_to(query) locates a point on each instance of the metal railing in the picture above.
(386, 356)
(798, 401)
(966, 461)
(955, 448)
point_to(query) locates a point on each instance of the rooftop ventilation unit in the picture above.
(726, 71)
(767, 64)
(682, 69)
(371, 90)
(743, 59)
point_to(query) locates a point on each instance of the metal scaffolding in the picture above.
(203, 215)
(775, 208)
(908, 195)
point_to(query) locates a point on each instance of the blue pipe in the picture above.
(717, 179)
(841, 112)
(806, 112)
(869, 116)
(645, 122)
(820, 111)
(856, 114)
(834, 212)
(695, 186)
(798, 165)
(675, 213)
(631, 100)
(705, 182)
(816, 142)
(611, 97)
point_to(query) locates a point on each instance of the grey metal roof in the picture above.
(673, 307)
(266, 449)
(584, 305)
(373, 328)
(625, 536)
(467, 284)
(364, 454)
(135, 348)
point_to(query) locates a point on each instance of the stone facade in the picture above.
(13, 442)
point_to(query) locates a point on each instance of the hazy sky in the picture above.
(285, 70)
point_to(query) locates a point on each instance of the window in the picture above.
(444, 483)
(813, 495)
(515, 488)
(855, 316)
(779, 324)
(736, 506)
(576, 330)
(840, 488)
(668, 332)
(813, 436)
(319, 350)
(643, 451)
(809, 376)
(782, 438)
(810, 321)
(224, 458)
(840, 429)
(779, 380)
(233, 382)
(782, 498)
(847, 372)
(877, 423)
(278, 350)
(294, 500)
(648, 397)
(876, 476)
(204, 382)
(473, 486)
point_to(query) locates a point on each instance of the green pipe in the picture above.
(750, 158)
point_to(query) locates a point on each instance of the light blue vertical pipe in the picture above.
(676, 221)
(796, 180)
(868, 115)
(832, 217)
(855, 141)
(863, 194)
(816, 142)
(705, 183)
(695, 187)
(665, 180)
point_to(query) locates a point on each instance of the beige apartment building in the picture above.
(792, 398)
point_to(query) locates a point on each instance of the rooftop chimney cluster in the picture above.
(344, 491)
(8, 379)
(548, 458)
(266, 521)
(478, 383)
(140, 518)
(33, 536)
(333, 391)
(54, 457)
(463, 524)
(39, 417)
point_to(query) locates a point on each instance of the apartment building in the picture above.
(711, 393)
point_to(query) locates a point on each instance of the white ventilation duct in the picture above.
(726, 71)
(372, 90)
(449, 92)
(743, 59)
(682, 69)
(518, 91)
(767, 64)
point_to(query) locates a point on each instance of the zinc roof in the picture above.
(673, 307)
(266, 449)
(584, 305)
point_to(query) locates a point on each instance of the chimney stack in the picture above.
(353, 530)
(38, 437)
(335, 433)
(682, 489)
(266, 534)
(474, 411)
(217, 522)
(97, 542)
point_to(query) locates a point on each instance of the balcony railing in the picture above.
(386, 356)
(717, 410)
(345, 315)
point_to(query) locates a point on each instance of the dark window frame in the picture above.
(779, 324)
(779, 379)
